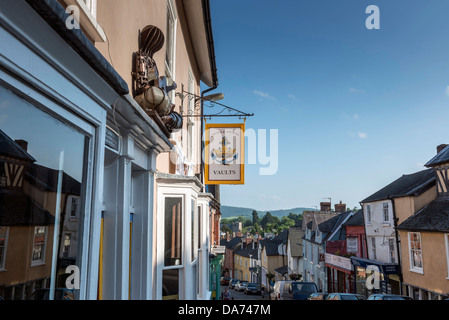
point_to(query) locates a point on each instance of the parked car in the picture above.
(232, 283)
(378, 296)
(240, 285)
(345, 296)
(224, 281)
(301, 290)
(318, 296)
(252, 287)
(281, 290)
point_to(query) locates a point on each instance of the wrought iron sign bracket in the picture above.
(208, 103)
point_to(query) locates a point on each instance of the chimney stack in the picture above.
(340, 207)
(325, 206)
(441, 147)
(23, 144)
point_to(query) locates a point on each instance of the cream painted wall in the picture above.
(435, 267)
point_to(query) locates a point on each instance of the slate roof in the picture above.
(441, 157)
(282, 270)
(247, 251)
(407, 185)
(233, 243)
(9, 148)
(357, 219)
(432, 218)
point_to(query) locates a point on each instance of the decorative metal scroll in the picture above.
(225, 110)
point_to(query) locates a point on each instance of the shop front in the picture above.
(375, 277)
(340, 273)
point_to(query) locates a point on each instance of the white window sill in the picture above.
(88, 22)
(386, 224)
(37, 263)
(417, 271)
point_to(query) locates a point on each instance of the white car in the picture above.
(240, 286)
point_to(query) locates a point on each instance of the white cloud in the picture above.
(362, 135)
(447, 91)
(355, 116)
(354, 90)
(263, 94)
(291, 96)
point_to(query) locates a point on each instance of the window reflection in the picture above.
(173, 231)
(34, 179)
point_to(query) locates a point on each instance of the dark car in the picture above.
(302, 290)
(232, 283)
(318, 296)
(345, 296)
(225, 281)
(252, 287)
(388, 297)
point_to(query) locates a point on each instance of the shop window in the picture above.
(170, 284)
(42, 165)
(173, 231)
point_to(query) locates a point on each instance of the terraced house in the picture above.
(101, 181)
(425, 237)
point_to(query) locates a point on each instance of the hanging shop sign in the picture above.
(224, 153)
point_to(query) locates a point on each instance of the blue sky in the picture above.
(354, 108)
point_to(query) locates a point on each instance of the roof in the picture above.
(281, 270)
(9, 148)
(440, 158)
(247, 251)
(233, 243)
(356, 220)
(334, 223)
(408, 185)
(432, 218)
(271, 246)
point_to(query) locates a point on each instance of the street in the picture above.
(240, 295)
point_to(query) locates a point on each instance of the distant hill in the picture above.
(229, 211)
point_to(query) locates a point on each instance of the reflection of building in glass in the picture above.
(27, 217)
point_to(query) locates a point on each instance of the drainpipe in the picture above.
(398, 242)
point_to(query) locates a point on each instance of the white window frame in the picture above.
(5, 249)
(368, 214)
(414, 268)
(373, 248)
(385, 211)
(170, 69)
(88, 18)
(40, 261)
(446, 240)
(392, 250)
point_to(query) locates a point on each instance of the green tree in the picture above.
(255, 217)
